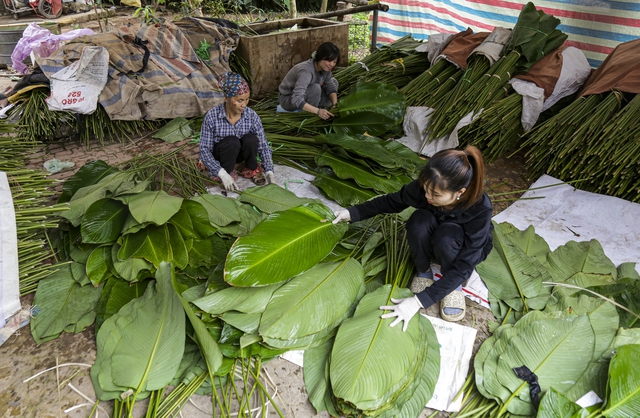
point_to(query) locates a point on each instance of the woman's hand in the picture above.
(324, 114)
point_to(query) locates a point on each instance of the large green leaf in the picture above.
(86, 196)
(141, 346)
(372, 149)
(528, 241)
(199, 218)
(152, 244)
(373, 108)
(241, 299)
(176, 130)
(557, 350)
(207, 344)
(428, 375)
(582, 264)
(90, 173)
(360, 371)
(623, 390)
(222, 210)
(345, 192)
(132, 269)
(103, 221)
(313, 301)
(115, 294)
(304, 234)
(272, 198)
(346, 169)
(62, 302)
(316, 379)
(556, 405)
(99, 265)
(156, 207)
(513, 276)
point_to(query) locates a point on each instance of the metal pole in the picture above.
(352, 10)
(374, 31)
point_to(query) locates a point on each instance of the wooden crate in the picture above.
(273, 50)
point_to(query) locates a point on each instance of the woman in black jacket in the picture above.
(451, 226)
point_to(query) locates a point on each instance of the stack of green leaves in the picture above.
(566, 351)
(372, 108)
(514, 272)
(533, 36)
(520, 264)
(363, 167)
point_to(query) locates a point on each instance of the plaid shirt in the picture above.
(216, 126)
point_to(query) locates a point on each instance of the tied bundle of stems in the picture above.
(560, 146)
(38, 123)
(533, 36)
(351, 75)
(440, 122)
(497, 130)
(31, 192)
(294, 123)
(417, 92)
(400, 71)
(597, 139)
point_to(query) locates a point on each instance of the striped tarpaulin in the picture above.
(594, 26)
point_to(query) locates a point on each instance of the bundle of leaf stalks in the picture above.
(596, 138)
(378, 61)
(31, 192)
(38, 123)
(172, 172)
(533, 36)
(400, 71)
(449, 94)
(420, 89)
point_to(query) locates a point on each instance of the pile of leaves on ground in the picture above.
(198, 292)
(568, 324)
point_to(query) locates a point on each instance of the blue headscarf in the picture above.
(233, 84)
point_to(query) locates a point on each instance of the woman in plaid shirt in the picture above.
(232, 133)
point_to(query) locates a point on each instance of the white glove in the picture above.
(271, 178)
(404, 310)
(227, 180)
(341, 216)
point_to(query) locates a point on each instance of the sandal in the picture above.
(418, 284)
(453, 300)
(257, 175)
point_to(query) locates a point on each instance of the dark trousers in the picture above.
(231, 150)
(430, 241)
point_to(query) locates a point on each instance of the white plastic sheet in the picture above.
(9, 282)
(569, 214)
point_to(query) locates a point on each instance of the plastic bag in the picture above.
(54, 165)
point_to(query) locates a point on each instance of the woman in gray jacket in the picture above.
(310, 85)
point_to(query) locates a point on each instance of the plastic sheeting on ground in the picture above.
(9, 281)
(569, 214)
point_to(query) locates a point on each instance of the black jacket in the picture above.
(475, 221)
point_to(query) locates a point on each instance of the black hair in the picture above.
(452, 170)
(327, 51)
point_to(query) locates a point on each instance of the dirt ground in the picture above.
(51, 394)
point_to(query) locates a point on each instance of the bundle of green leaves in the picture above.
(554, 323)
